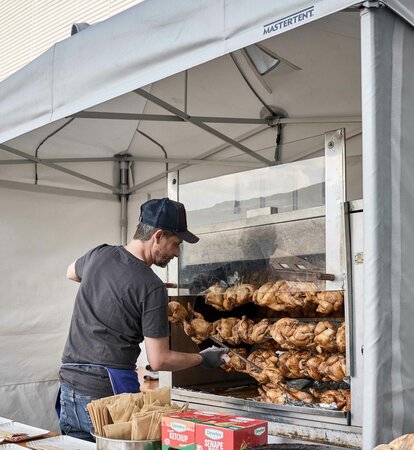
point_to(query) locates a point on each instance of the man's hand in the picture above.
(213, 357)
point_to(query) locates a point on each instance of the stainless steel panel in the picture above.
(172, 268)
(356, 222)
(334, 200)
(328, 427)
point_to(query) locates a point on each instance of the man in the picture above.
(119, 304)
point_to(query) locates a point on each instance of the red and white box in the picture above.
(179, 430)
(232, 433)
(205, 430)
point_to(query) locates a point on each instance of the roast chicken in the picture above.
(238, 295)
(285, 295)
(341, 338)
(292, 364)
(279, 393)
(325, 337)
(225, 299)
(334, 367)
(269, 374)
(302, 396)
(223, 330)
(341, 397)
(265, 295)
(262, 358)
(176, 312)
(243, 329)
(273, 394)
(294, 294)
(197, 329)
(329, 301)
(282, 330)
(215, 296)
(404, 442)
(236, 364)
(259, 332)
(312, 367)
(303, 336)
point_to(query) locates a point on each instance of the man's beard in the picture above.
(161, 259)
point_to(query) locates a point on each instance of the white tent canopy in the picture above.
(167, 83)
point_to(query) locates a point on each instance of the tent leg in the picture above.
(124, 186)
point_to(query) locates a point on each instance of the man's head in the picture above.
(168, 215)
(164, 222)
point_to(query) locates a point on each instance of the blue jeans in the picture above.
(74, 417)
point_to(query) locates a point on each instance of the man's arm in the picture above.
(160, 357)
(71, 273)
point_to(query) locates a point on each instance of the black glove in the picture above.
(213, 357)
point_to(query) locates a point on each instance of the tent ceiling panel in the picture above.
(330, 64)
(326, 84)
(90, 137)
(28, 142)
(129, 50)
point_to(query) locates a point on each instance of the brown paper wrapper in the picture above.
(120, 430)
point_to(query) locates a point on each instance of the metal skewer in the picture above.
(216, 341)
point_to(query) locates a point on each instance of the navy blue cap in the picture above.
(168, 215)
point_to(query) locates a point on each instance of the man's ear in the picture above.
(158, 235)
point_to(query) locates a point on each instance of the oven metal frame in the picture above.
(342, 221)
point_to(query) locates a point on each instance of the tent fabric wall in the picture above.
(151, 41)
(388, 161)
(40, 235)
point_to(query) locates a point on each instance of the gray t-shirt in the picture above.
(120, 300)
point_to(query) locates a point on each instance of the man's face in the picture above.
(167, 248)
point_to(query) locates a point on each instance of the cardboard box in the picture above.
(233, 433)
(205, 430)
(178, 430)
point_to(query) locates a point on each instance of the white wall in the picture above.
(40, 234)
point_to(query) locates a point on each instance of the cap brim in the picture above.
(187, 236)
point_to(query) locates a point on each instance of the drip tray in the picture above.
(245, 392)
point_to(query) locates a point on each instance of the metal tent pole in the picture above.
(124, 186)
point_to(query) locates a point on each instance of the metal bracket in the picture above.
(359, 258)
(172, 268)
(124, 163)
(372, 4)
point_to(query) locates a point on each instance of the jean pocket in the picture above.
(63, 410)
(63, 419)
(88, 418)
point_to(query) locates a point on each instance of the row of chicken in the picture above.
(276, 366)
(281, 393)
(282, 296)
(287, 333)
(272, 368)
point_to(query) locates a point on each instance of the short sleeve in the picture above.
(155, 314)
(83, 261)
